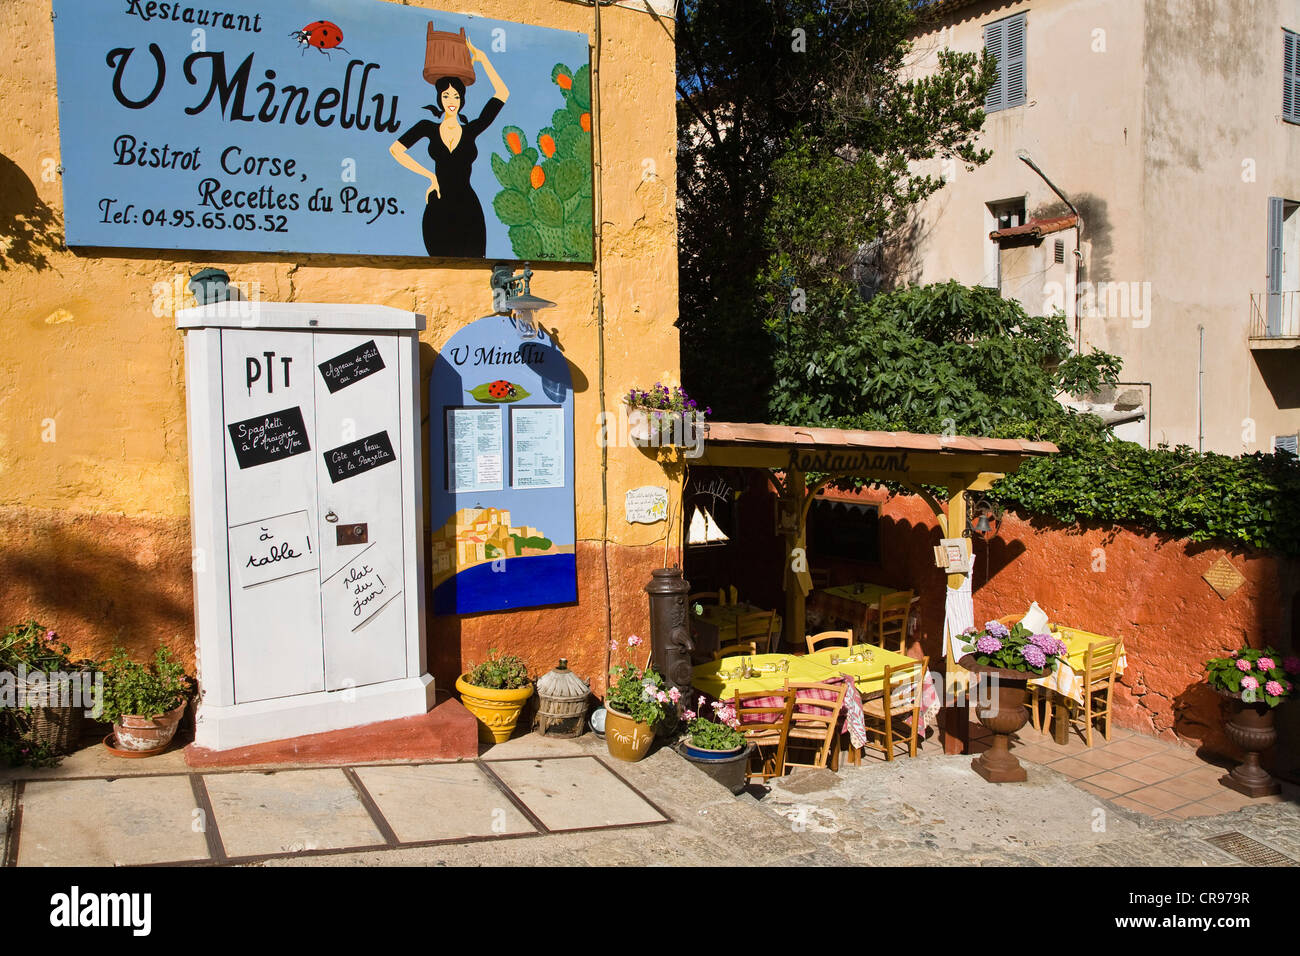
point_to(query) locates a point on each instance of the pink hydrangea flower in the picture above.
(1243, 664)
(1265, 663)
(634, 641)
(1273, 689)
(1249, 683)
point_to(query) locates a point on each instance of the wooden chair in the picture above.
(815, 720)
(892, 620)
(765, 722)
(901, 698)
(736, 649)
(829, 639)
(758, 627)
(1100, 662)
(704, 597)
(821, 578)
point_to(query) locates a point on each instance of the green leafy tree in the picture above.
(799, 138)
(941, 358)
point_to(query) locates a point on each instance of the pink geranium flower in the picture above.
(1243, 664)
(634, 641)
(674, 694)
(688, 714)
(1266, 663)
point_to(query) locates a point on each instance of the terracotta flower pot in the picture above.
(497, 711)
(1006, 713)
(149, 735)
(1250, 727)
(626, 738)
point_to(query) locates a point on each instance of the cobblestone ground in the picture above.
(937, 812)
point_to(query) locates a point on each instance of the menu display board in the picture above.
(536, 447)
(474, 444)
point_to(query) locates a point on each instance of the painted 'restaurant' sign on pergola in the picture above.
(958, 463)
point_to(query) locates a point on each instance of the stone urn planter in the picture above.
(626, 739)
(137, 736)
(1250, 727)
(497, 711)
(1007, 712)
(727, 767)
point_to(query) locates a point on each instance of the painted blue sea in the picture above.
(524, 582)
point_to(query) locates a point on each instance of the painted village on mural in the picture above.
(684, 432)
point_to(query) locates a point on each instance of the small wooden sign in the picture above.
(1224, 578)
(950, 555)
(646, 505)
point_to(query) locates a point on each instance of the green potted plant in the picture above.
(635, 705)
(1007, 657)
(715, 743)
(495, 692)
(1254, 682)
(44, 720)
(144, 702)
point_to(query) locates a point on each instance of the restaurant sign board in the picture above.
(326, 126)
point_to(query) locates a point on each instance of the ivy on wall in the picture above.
(1251, 500)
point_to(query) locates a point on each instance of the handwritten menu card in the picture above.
(362, 587)
(272, 548)
(269, 438)
(351, 366)
(358, 457)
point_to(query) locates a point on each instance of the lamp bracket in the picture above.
(505, 284)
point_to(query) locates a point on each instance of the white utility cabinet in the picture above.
(306, 506)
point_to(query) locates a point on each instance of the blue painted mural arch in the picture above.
(501, 499)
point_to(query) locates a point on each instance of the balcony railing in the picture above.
(1275, 318)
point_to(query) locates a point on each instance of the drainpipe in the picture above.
(1200, 390)
(1025, 158)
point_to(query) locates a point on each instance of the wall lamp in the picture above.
(510, 293)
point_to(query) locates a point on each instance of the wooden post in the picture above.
(794, 623)
(955, 721)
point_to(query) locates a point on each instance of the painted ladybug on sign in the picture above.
(501, 389)
(322, 34)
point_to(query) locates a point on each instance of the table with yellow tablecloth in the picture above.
(858, 604)
(715, 625)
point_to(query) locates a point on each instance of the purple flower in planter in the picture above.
(997, 629)
(1243, 664)
(1033, 655)
(988, 645)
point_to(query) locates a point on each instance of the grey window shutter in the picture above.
(1284, 443)
(995, 43)
(1290, 76)
(1274, 266)
(1013, 67)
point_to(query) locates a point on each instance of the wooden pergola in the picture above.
(957, 463)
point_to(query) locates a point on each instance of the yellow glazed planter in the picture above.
(497, 711)
(625, 738)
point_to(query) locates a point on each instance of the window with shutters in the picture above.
(1285, 443)
(1291, 76)
(1005, 41)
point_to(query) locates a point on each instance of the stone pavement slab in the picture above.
(288, 812)
(575, 793)
(122, 822)
(442, 802)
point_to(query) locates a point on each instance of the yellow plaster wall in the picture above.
(94, 497)
(89, 355)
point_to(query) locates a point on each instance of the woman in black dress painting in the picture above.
(453, 217)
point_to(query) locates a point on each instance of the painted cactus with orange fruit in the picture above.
(545, 197)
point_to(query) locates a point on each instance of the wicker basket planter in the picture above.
(59, 728)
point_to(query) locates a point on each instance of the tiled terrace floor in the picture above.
(1154, 777)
